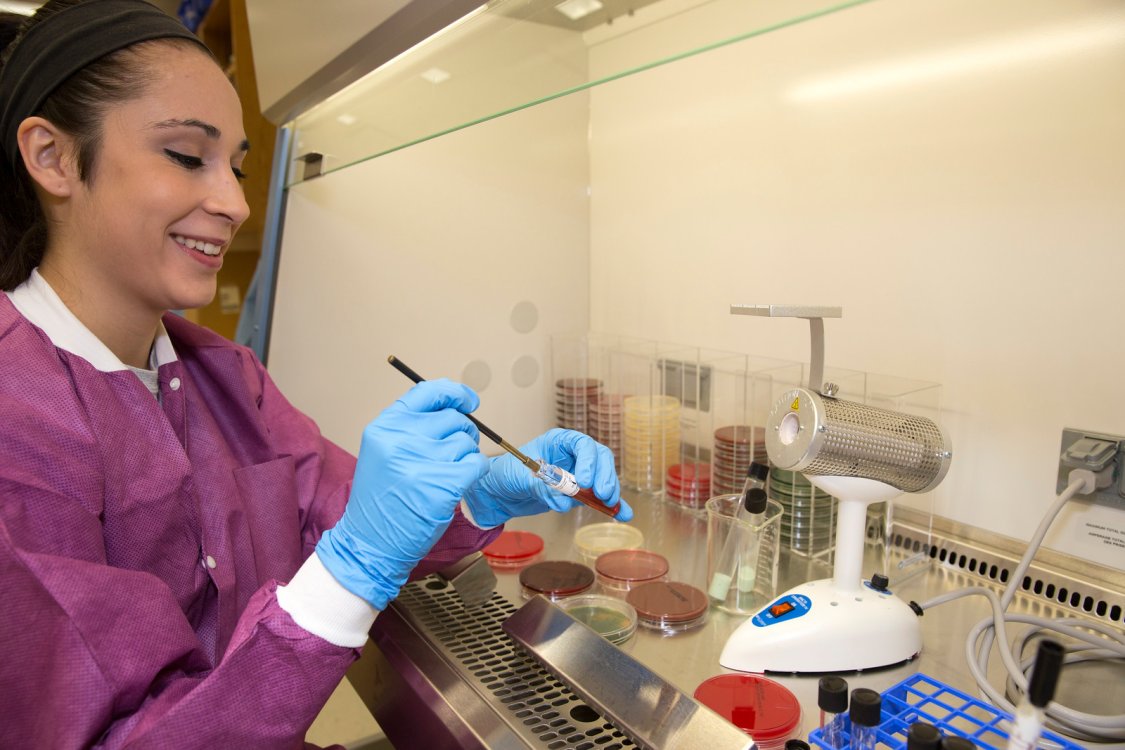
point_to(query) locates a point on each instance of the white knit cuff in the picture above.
(468, 514)
(318, 603)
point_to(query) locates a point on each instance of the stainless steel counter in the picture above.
(688, 658)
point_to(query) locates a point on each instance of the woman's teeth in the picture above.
(204, 247)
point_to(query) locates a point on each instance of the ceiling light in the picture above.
(576, 9)
(994, 54)
(437, 75)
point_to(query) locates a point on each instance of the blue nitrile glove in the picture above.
(416, 460)
(509, 489)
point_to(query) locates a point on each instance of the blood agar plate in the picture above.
(513, 549)
(613, 619)
(622, 570)
(688, 484)
(669, 606)
(764, 709)
(556, 579)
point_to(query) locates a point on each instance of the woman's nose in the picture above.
(227, 199)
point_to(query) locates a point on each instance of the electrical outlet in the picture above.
(1102, 454)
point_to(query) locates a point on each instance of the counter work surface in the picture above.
(687, 659)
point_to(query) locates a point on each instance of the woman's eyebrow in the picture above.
(208, 129)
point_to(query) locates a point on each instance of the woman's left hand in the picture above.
(509, 489)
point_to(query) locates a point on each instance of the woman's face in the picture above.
(155, 218)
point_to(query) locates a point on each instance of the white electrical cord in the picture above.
(1110, 644)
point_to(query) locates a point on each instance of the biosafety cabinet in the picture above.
(460, 185)
(492, 193)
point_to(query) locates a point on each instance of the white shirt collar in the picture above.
(37, 301)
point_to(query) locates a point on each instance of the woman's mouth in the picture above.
(203, 246)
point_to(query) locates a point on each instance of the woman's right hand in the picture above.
(416, 460)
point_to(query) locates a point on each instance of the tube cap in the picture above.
(832, 694)
(953, 742)
(756, 500)
(758, 471)
(1045, 673)
(795, 744)
(923, 736)
(866, 707)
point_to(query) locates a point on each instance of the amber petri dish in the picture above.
(764, 709)
(596, 539)
(556, 579)
(669, 606)
(620, 571)
(513, 549)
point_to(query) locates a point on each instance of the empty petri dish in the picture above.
(513, 549)
(668, 606)
(766, 710)
(556, 579)
(622, 570)
(613, 619)
(594, 540)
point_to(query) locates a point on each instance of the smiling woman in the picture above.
(185, 561)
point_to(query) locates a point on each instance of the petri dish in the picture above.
(513, 549)
(594, 540)
(668, 606)
(556, 579)
(622, 570)
(612, 619)
(766, 710)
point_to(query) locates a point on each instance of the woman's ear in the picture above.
(44, 149)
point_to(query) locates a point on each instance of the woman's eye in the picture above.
(188, 162)
(238, 174)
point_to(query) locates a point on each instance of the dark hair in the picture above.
(9, 26)
(77, 107)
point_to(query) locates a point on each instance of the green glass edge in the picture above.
(795, 21)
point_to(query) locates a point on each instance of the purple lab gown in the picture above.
(114, 630)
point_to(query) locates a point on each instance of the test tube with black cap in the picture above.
(737, 561)
(923, 736)
(865, 711)
(796, 744)
(832, 699)
(1027, 724)
(957, 742)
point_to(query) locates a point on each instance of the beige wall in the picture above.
(951, 173)
(960, 192)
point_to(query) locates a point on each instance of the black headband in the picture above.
(58, 47)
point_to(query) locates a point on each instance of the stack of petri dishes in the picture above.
(688, 484)
(595, 539)
(621, 571)
(556, 579)
(651, 440)
(513, 550)
(605, 422)
(574, 398)
(669, 606)
(736, 446)
(808, 525)
(612, 619)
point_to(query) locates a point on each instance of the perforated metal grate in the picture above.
(542, 710)
(902, 450)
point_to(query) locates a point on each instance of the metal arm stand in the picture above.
(815, 314)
